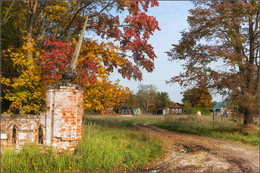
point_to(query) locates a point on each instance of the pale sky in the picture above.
(172, 18)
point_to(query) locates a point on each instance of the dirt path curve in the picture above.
(192, 153)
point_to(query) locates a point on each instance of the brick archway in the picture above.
(13, 134)
(40, 135)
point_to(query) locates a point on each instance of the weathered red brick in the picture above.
(65, 110)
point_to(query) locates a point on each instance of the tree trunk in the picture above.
(248, 117)
(31, 14)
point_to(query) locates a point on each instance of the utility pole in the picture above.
(223, 109)
(213, 118)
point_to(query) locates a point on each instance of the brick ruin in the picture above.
(60, 126)
(21, 129)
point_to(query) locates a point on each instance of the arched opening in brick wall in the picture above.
(40, 135)
(14, 135)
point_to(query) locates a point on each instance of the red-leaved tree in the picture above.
(55, 59)
(226, 32)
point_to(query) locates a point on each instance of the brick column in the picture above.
(64, 111)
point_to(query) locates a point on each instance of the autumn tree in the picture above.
(63, 20)
(147, 97)
(221, 51)
(197, 97)
(10, 39)
(105, 97)
(24, 92)
(52, 30)
(213, 103)
(132, 101)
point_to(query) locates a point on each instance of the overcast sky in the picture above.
(172, 18)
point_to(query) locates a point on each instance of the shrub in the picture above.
(203, 110)
(192, 110)
(188, 109)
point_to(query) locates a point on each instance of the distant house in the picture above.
(220, 109)
(137, 111)
(129, 111)
(125, 110)
(175, 108)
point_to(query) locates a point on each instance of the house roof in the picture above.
(173, 106)
(125, 106)
(219, 105)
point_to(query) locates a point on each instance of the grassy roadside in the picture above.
(224, 129)
(105, 147)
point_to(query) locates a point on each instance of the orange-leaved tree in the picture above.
(105, 97)
(94, 65)
(198, 97)
(101, 95)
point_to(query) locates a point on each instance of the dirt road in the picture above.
(192, 153)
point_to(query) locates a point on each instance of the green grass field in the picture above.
(224, 128)
(113, 143)
(107, 145)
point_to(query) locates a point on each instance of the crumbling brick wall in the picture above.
(60, 126)
(64, 111)
(21, 129)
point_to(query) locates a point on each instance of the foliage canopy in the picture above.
(51, 30)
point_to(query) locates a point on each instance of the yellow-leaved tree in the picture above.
(101, 95)
(26, 92)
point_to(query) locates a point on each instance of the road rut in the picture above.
(193, 153)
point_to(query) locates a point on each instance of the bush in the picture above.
(204, 111)
(188, 109)
(191, 110)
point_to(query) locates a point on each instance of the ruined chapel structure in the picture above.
(60, 126)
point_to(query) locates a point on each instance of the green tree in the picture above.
(226, 32)
(188, 109)
(164, 99)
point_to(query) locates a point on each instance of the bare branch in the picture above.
(71, 21)
(89, 16)
(103, 9)
(39, 12)
(6, 18)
